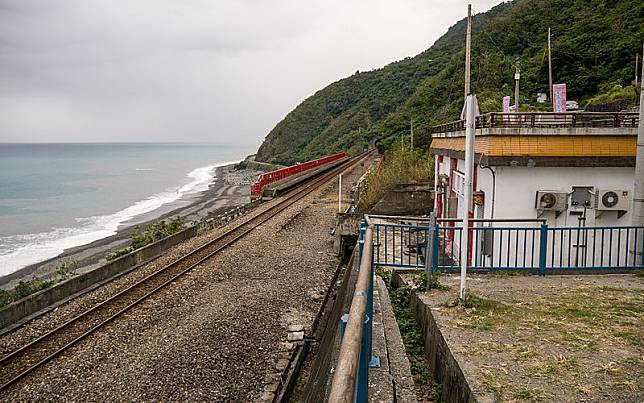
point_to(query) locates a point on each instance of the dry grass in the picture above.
(398, 166)
(529, 339)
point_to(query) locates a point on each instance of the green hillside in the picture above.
(594, 43)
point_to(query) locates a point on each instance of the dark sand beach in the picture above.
(229, 188)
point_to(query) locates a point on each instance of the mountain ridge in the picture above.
(593, 44)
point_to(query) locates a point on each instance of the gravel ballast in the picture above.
(214, 334)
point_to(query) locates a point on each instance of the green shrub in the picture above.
(613, 92)
(398, 166)
(26, 288)
(150, 234)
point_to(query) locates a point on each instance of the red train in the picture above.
(270, 177)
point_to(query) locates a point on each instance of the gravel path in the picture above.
(213, 335)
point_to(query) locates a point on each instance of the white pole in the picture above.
(550, 68)
(468, 41)
(637, 56)
(412, 134)
(638, 185)
(340, 193)
(467, 199)
(517, 75)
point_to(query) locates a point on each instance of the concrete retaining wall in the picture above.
(443, 365)
(25, 307)
(407, 199)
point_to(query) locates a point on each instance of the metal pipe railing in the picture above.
(344, 382)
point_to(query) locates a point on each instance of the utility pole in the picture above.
(412, 134)
(637, 56)
(468, 49)
(469, 158)
(638, 185)
(517, 75)
(550, 69)
(467, 197)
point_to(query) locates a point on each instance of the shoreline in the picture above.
(228, 188)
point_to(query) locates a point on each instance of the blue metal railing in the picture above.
(343, 387)
(536, 248)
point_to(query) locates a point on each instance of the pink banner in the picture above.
(506, 104)
(559, 97)
(506, 108)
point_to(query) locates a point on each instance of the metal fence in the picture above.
(545, 120)
(537, 248)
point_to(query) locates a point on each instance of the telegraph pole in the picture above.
(468, 49)
(412, 134)
(638, 185)
(550, 68)
(517, 75)
(637, 56)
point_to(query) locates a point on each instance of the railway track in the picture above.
(29, 357)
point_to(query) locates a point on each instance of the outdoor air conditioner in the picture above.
(547, 200)
(612, 200)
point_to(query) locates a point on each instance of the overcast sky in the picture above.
(222, 71)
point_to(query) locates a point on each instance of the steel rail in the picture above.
(234, 234)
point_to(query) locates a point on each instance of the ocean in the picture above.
(57, 196)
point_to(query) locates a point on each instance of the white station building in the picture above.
(568, 169)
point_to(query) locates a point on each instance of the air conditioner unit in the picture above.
(612, 200)
(548, 200)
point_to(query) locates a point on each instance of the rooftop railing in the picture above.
(545, 120)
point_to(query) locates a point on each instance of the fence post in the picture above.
(363, 229)
(429, 251)
(435, 251)
(543, 249)
(373, 362)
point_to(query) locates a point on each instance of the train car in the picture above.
(267, 178)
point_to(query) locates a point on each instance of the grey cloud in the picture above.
(199, 70)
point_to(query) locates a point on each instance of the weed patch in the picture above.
(426, 389)
(26, 288)
(150, 234)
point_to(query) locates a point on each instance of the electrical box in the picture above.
(582, 197)
(452, 207)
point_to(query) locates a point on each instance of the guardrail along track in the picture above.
(19, 363)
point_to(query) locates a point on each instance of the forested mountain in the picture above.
(594, 43)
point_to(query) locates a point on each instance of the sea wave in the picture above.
(20, 251)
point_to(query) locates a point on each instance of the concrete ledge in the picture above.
(400, 376)
(26, 307)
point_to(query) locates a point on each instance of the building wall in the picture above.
(516, 189)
